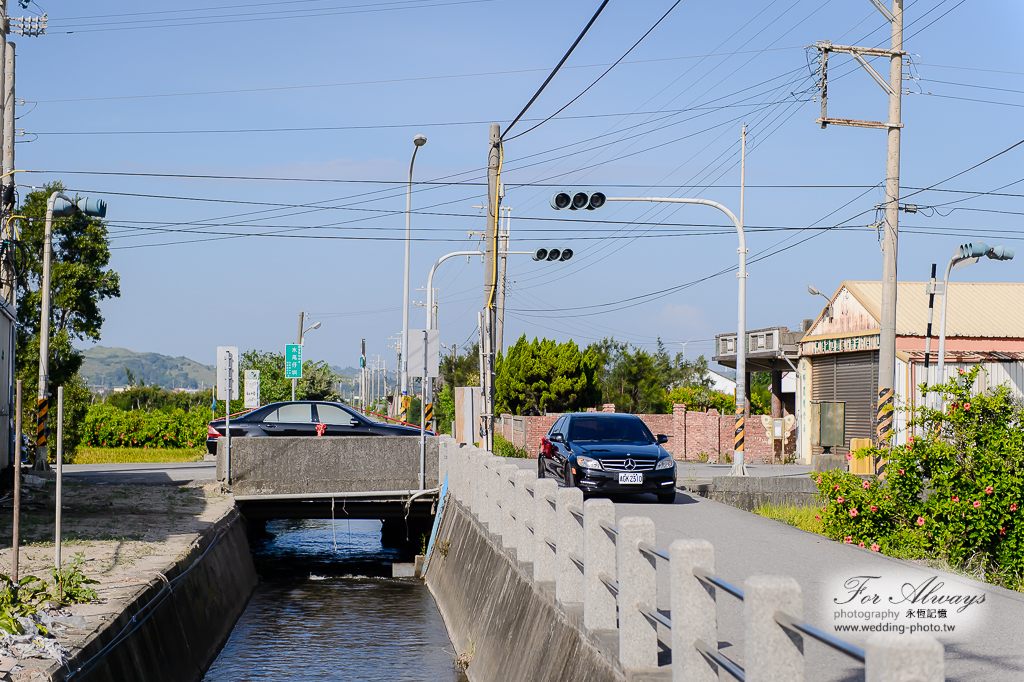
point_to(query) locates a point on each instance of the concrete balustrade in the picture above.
(525, 480)
(545, 527)
(694, 611)
(569, 584)
(638, 587)
(599, 601)
(612, 568)
(510, 533)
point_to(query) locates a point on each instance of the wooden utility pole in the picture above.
(894, 88)
(491, 279)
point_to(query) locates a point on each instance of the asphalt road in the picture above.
(987, 645)
(176, 473)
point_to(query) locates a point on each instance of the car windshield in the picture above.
(617, 429)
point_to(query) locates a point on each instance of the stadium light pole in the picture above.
(61, 206)
(418, 142)
(739, 467)
(965, 255)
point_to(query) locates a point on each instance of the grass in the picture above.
(800, 517)
(98, 455)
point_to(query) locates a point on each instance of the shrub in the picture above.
(953, 492)
(108, 426)
(503, 448)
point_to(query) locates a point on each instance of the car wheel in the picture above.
(667, 498)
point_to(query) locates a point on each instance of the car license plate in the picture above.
(632, 478)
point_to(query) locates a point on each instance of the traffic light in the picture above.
(973, 250)
(1000, 252)
(552, 255)
(62, 208)
(577, 201)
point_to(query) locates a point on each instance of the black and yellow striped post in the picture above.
(883, 425)
(42, 407)
(738, 435)
(428, 417)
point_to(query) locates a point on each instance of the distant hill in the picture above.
(347, 372)
(105, 367)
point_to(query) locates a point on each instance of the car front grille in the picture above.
(619, 464)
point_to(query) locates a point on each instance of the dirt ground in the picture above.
(127, 535)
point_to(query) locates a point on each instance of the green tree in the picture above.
(79, 281)
(460, 369)
(545, 376)
(317, 382)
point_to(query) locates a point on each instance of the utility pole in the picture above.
(298, 340)
(894, 88)
(490, 280)
(499, 330)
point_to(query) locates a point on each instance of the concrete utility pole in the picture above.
(298, 340)
(490, 280)
(499, 328)
(894, 88)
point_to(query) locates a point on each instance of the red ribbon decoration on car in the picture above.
(320, 429)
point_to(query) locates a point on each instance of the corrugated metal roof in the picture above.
(990, 310)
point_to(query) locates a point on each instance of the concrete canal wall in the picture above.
(174, 627)
(515, 630)
(752, 492)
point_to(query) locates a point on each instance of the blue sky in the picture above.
(135, 89)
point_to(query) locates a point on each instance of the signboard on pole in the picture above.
(433, 357)
(227, 372)
(293, 361)
(252, 388)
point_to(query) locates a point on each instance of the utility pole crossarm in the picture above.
(826, 46)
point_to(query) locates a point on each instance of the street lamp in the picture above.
(967, 254)
(814, 292)
(418, 142)
(63, 207)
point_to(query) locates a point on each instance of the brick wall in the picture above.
(690, 434)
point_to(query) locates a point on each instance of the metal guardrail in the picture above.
(728, 665)
(787, 621)
(655, 615)
(653, 551)
(612, 584)
(703, 575)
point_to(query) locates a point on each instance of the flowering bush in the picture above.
(110, 427)
(952, 492)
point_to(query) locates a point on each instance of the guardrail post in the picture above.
(525, 479)
(545, 564)
(772, 653)
(598, 557)
(494, 523)
(569, 587)
(638, 584)
(509, 531)
(892, 658)
(694, 612)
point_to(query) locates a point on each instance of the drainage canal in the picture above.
(325, 614)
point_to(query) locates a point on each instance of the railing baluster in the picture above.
(569, 588)
(694, 611)
(638, 583)
(770, 651)
(545, 564)
(599, 555)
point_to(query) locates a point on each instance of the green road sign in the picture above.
(292, 361)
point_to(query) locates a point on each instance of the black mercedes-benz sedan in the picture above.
(305, 418)
(607, 453)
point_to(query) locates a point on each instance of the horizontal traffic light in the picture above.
(62, 208)
(577, 201)
(552, 255)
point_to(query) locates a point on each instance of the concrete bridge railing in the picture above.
(612, 569)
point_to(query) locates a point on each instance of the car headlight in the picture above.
(588, 462)
(666, 463)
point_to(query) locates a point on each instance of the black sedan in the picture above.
(304, 418)
(607, 453)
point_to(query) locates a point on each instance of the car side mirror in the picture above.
(556, 438)
(662, 438)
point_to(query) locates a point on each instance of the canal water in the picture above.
(327, 614)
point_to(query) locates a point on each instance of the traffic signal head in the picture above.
(62, 208)
(577, 201)
(96, 208)
(1000, 252)
(973, 250)
(540, 254)
(566, 255)
(554, 254)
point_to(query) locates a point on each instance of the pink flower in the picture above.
(874, 508)
(839, 499)
(849, 455)
(967, 406)
(956, 498)
(875, 547)
(901, 472)
(849, 540)
(853, 512)
(887, 497)
(920, 520)
(817, 518)
(989, 490)
(860, 544)
(1013, 506)
(866, 484)
(961, 372)
(910, 440)
(835, 488)
(819, 480)
(976, 503)
(1002, 530)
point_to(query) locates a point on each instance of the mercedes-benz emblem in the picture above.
(630, 464)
